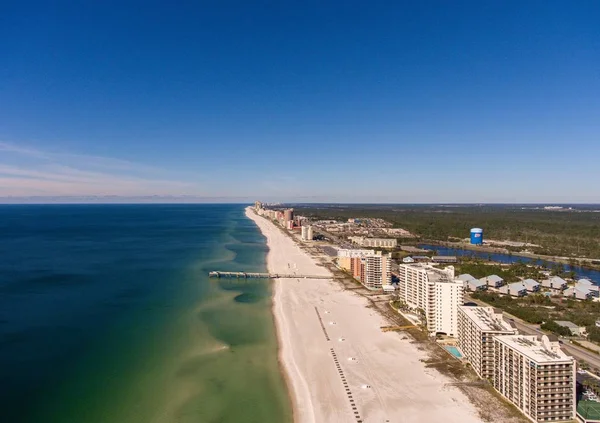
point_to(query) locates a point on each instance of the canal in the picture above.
(580, 272)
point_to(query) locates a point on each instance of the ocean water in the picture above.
(107, 315)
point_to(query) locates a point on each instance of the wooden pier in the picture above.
(254, 275)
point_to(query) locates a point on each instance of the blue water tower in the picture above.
(476, 236)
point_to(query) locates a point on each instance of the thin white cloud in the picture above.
(26, 171)
(83, 159)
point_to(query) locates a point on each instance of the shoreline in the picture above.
(338, 365)
(278, 321)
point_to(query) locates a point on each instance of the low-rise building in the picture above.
(421, 259)
(476, 328)
(388, 288)
(587, 285)
(532, 285)
(433, 292)
(579, 293)
(516, 289)
(555, 283)
(444, 259)
(536, 376)
(493, 281)
(374, 242)
(465, 277)
(575, 330)
(408, 260)
(354, 253)
(475, 285)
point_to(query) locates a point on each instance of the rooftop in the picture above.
(433, 274)
(487, 319)
(475, 282)
(567, 324)
(517, 285)
(540, 351)
(492, 278)
(465, 277)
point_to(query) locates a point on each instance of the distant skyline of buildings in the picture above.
(531, 372)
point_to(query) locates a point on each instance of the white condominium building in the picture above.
(476, 328)
(535, 375)
(433, 291)
(377, 270)
(307, 233)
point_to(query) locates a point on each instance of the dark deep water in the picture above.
(107, 315)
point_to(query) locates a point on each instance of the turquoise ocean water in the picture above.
(107, 315)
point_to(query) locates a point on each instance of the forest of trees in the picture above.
(565, 233)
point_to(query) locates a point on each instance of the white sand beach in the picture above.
(346, 369)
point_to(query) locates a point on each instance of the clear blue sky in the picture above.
(421, 101)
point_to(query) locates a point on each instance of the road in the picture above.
(575, 351)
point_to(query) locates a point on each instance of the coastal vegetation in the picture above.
(572, 233)
(545, 311)
(512, 273)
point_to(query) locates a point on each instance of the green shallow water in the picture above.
(137, 332)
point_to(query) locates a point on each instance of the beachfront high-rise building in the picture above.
(307, 233)
(288, 214)
(371, 267)
(536, 376)
(476, 328)
(257, 205)
(349, 260)
(434, 292)
(377, 270)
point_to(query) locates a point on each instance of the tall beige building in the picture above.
(345, 256)
(535, 375)
(377, 270)
(436, 293)
(476, 328)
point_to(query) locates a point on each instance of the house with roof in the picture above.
(465, 277)
(575, 330)
(532, 285)
(475, 285)
(587, 285)
(580, 293)
(516, 289)
(408, 260)
(493, 281)
(555, 283)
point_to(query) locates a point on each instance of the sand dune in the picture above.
(339, 365)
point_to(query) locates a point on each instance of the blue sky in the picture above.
(424, 101)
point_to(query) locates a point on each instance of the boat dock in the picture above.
(254, 275)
